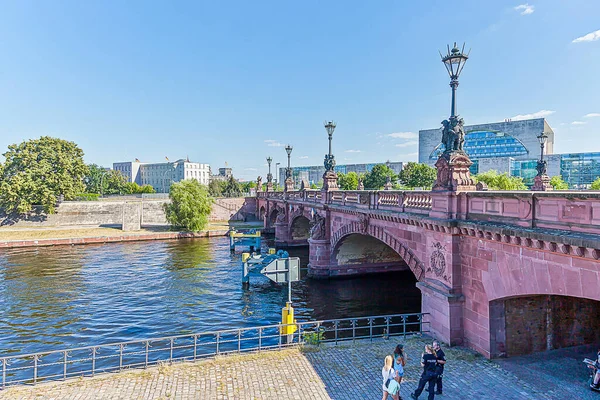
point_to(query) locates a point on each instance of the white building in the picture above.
(161, 175)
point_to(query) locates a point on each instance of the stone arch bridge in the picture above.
(505, 273)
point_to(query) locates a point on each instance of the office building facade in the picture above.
(161, 175)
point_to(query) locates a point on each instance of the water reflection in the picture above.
(83, 295)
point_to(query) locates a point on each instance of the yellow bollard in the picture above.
(245, 257)
(287, 319)
(272, 250)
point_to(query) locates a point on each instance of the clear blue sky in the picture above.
(232, 81)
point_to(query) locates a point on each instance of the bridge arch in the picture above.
(364, 229)
(299, 228)
(262, 213)
(273, 216)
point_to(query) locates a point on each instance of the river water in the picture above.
(67, 296)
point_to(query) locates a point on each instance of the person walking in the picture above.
(441, 361)
(429, 363)
(399, 361)
(390, 386)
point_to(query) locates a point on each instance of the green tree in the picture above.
(348, 181)
(93, 178)
(378, 177)
(417, 175)
(596, 184)
(232, 188)
(496, 181)
(190, 205)
(216, 187)
(114, 182)
(558, 183)
(313, 186)
(38, 171)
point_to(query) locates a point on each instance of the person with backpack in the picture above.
(390, 387)
(441, 361)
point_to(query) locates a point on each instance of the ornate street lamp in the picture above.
(269, 176)
(329, 159)
(455, 62)
(278, 180)
(289, 183)
(453, 164)
(542, 180)
(329, 177)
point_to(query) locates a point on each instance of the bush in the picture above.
(503, 181)
(86, 197)
(190, 205)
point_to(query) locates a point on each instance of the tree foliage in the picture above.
(232, 188)
(348, 181)
(378, 177)
(38, 171)
(496, 181)
(114, 182)
(215, 188)
(596, 184)
(190, 206)
(417, 175)
(134, 188)
(558, 183)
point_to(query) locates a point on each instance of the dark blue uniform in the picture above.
(429, 375)
(441, 356)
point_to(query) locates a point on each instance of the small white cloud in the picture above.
(525, 9)
(590, 37)
(353, 151)
(303, 157)
(408, 144)
(403, 135)
(578, 123)
(592, 115)
(273, 143)
(539, 114)
(250, 169)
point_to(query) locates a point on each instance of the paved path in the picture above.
(345, 371)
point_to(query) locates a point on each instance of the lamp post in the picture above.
(329, 177)
(541, 182)
(269, 176)
(454, 62)
(453, 164)
(289, 183)
(277, 181)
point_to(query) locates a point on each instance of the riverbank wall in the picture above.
(111, 239)
(128, 212)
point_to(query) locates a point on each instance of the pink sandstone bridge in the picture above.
(504, 273)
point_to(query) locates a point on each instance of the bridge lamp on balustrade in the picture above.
(288, 172)
(454, 62)
(329, 159)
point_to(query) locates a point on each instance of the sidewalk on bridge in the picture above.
(345, 371)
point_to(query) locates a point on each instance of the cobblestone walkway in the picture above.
(345, 371)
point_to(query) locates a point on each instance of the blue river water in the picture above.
(69, 296)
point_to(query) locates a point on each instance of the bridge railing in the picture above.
(63, 364)
(566, 210)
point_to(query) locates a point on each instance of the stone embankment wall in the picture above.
(131, 214)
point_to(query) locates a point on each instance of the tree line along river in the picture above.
(68, 296)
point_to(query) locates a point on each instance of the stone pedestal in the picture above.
(453, 172)
(330, 181)
(319, 263)
(289, 185)
(132, 216)
(445, 312)
(541, 183)
(269, 187)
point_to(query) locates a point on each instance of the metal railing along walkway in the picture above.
(114, 357)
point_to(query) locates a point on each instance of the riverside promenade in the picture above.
(345, 371)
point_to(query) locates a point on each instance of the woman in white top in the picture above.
(390, 385)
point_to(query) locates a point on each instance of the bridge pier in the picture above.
(319, 259)
(445, 311)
